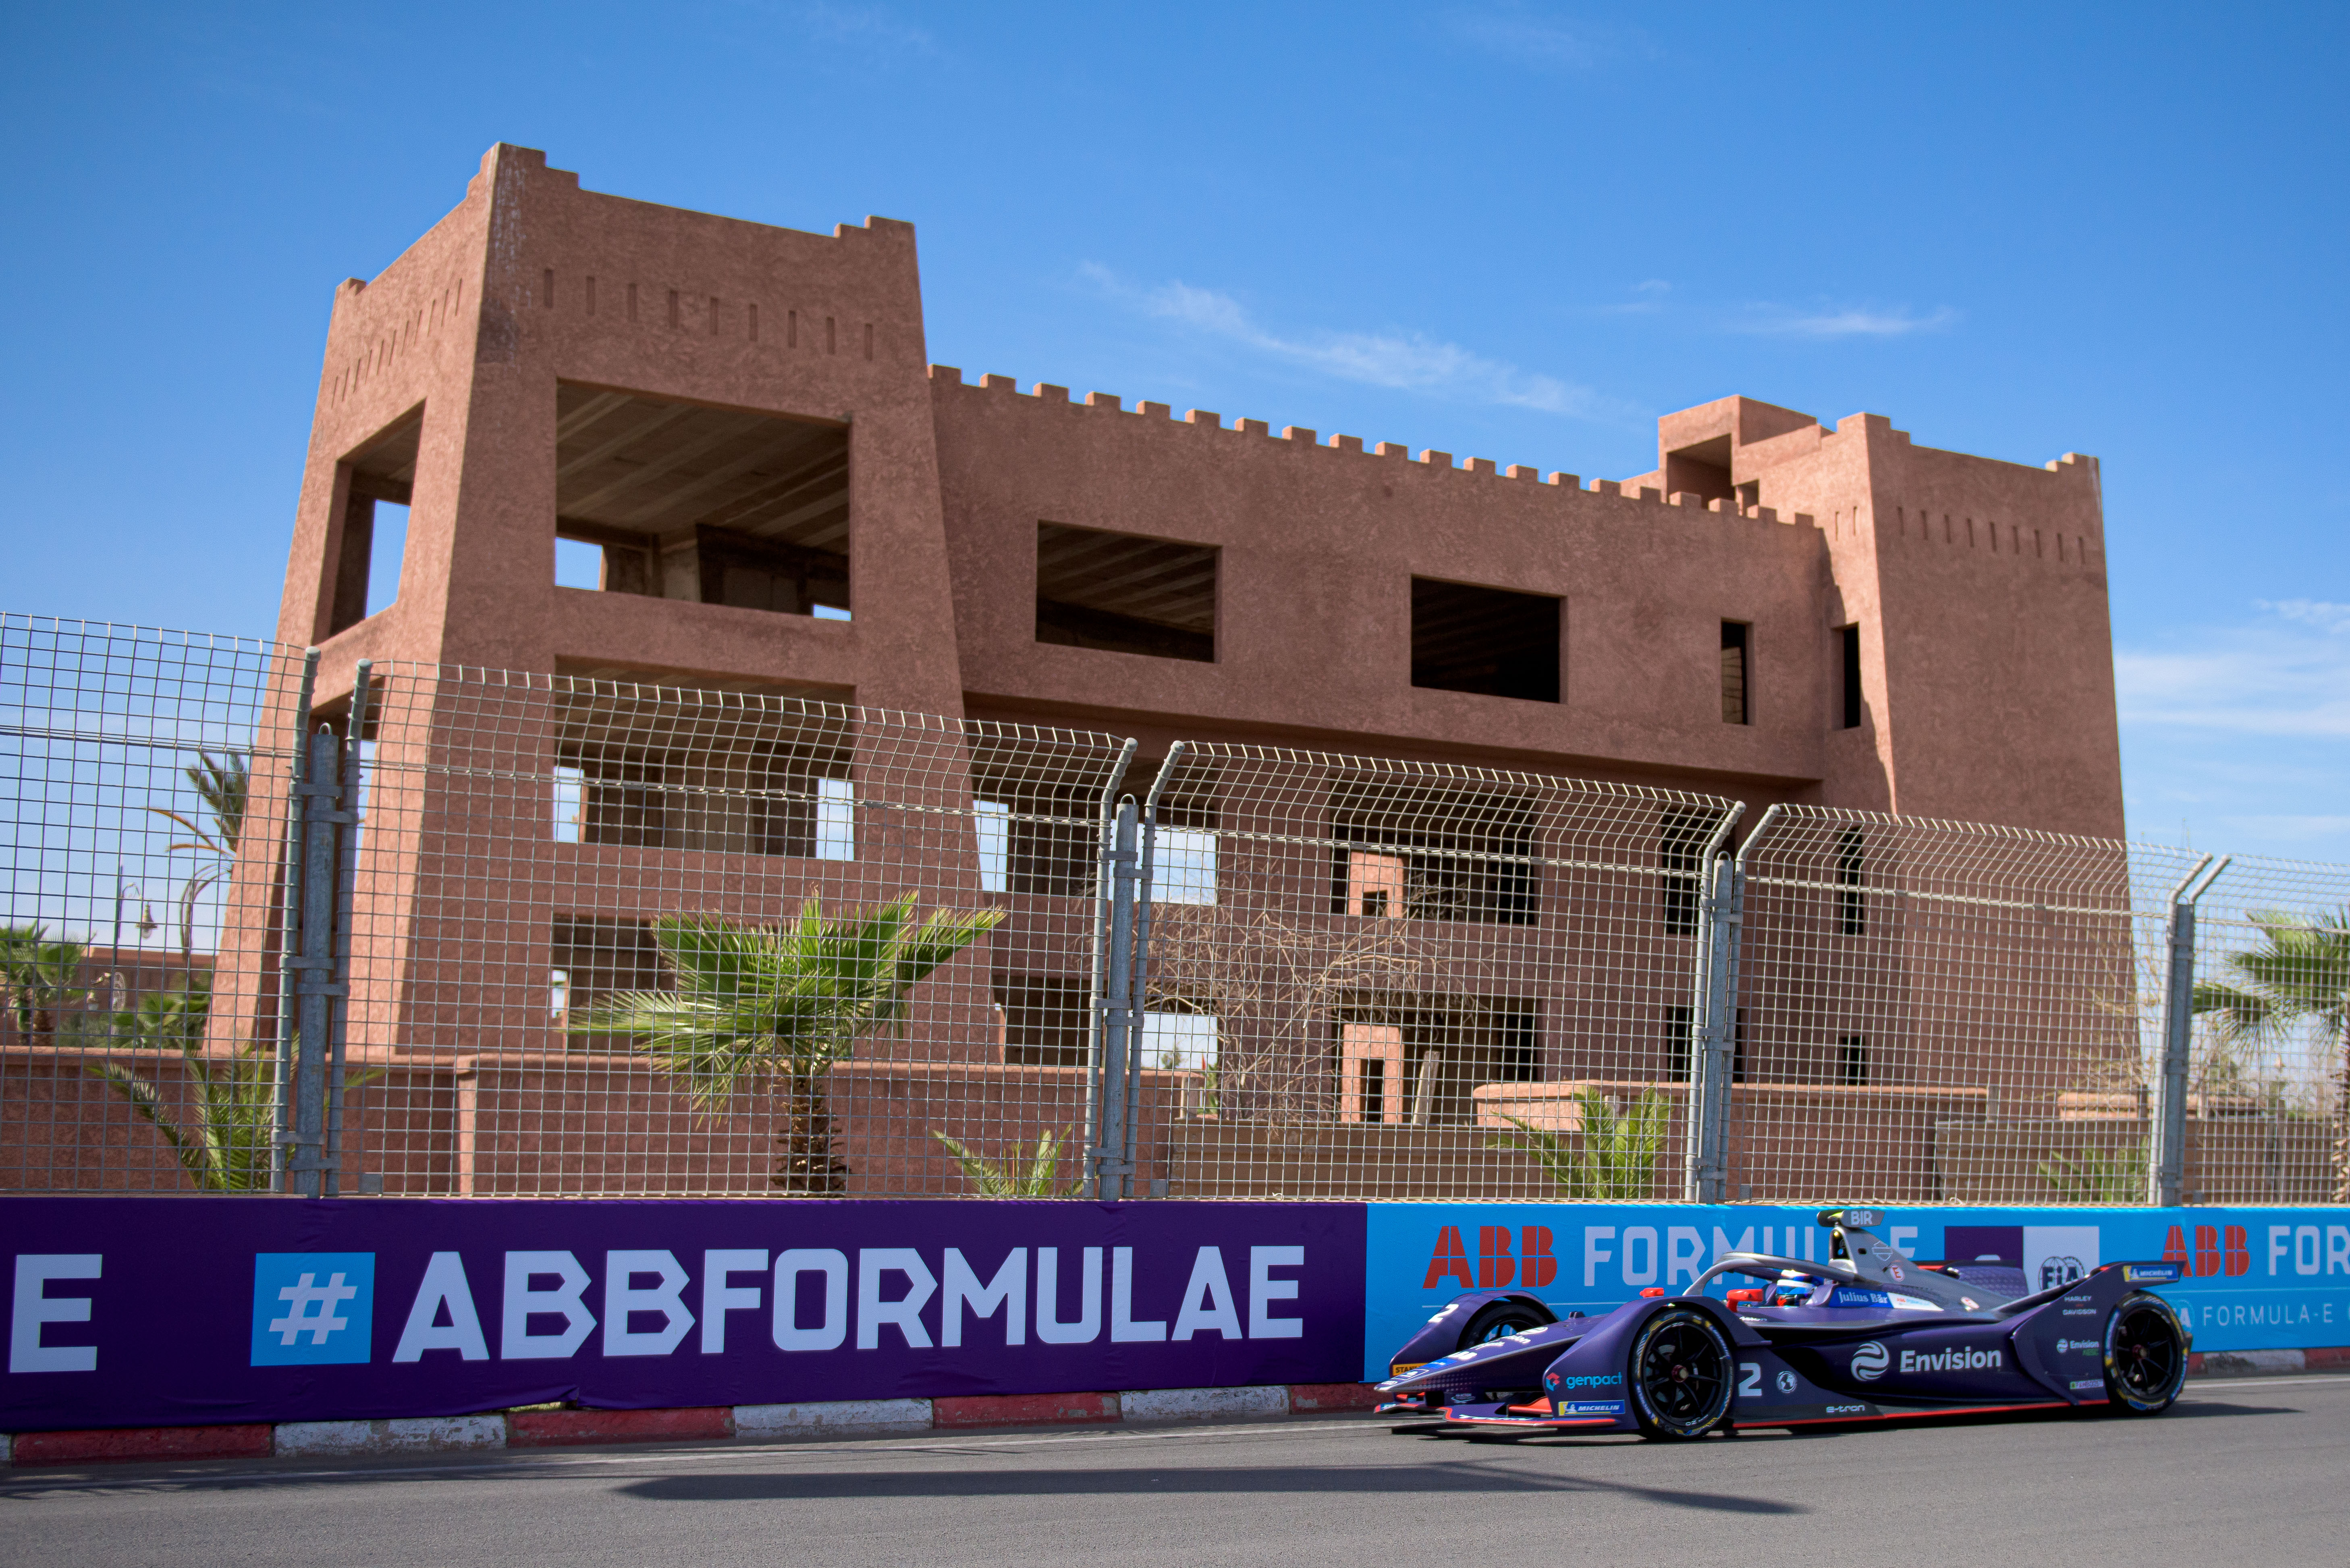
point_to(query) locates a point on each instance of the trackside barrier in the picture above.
(791, 1318)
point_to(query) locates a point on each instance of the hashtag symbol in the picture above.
(312, 1307)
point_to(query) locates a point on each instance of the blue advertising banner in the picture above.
(2255, 1278)
(131, 1312)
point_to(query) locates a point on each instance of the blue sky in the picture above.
(1516, 230)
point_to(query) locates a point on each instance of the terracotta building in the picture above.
(787, 494)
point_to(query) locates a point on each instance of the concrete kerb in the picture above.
(832, 1419)
(825, 1418)
(418, 1435)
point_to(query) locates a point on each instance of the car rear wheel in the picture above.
(2146, 1356)
(1498, 1319)
(1679, 1374)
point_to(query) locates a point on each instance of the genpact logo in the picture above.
(1869, 1362)
(1587, 1381)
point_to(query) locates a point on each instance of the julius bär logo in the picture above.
(1868, 1362)
(312, 1309)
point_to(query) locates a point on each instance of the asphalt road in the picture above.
(2254, 1471)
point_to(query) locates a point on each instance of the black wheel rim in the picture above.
(2144, 1354)
(1683, 1375)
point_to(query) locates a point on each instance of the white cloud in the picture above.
(2311, 612)
(2287, 673)
(1405, 361)
(1844, 321)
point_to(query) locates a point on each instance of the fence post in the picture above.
(2166, 1171)
(1104, 848)
(1714, 1013)
(347, 813)
(314, 966)
(1115, 1030)
(1139, 986)
(289, 925)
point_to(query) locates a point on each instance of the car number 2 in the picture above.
(1750, 1386)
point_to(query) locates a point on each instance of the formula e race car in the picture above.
(1866, 1335)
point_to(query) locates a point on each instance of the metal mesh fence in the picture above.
(2268, 1071)
(1388, 979)
(619, 938)
(143, 770)
(516, 934)
(1936, 1011)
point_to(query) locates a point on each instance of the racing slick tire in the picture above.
(1680, 1376)
(2146, 1356)
(1498, 1319)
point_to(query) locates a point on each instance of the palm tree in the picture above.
(1042, 1178)
(754, 1003)
(2300, 974)
(223, 785)
(1617, 1158)
(40, 976)
(223, 1144)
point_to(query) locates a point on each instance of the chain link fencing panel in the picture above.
(1390, 979)
(1946, 1013)
(145, 771)
(2269, 1067)
(631, 940)
(615, 938)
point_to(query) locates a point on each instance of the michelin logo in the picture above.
(1868, 1362)
(1956, 1360)
(312, 1309)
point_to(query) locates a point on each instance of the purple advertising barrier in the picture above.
(131, 1312)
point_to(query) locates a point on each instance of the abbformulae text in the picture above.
(802, 1298)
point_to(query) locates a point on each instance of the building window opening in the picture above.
(1184, 853)
(1681, 836)
(1848, 647)
(708, 505)
(1680, 1045)
(1852, 1060)
(378, 481)
(578, 565)
(1852, 865)
(1702, 470)
(593, 961)
(1405, 1063)
(736, 772)
(1038, 829)
(991, 821)
(1489, 641)
(1045, 1020)
(1734, 670)
(1121, 592)
(1409, 852)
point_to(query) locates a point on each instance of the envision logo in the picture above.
(1868, 1363)
(1954, 1360)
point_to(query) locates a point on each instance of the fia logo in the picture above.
(312, 1309)
(2060, 1270)
(1868, 1362)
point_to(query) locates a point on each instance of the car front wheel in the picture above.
(1679, 1374)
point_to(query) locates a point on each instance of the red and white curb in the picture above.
(565, 1429)
(835, 1419)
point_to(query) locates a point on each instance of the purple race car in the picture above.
(1867, 1336)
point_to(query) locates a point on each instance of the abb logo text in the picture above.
(1533, 1265)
